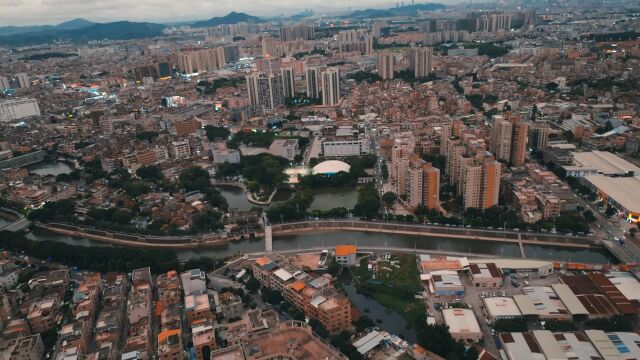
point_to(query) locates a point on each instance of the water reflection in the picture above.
(328, 240)
(329, 198)
(50, 168)
(392, 321)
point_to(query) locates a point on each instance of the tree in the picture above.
(615, 323)
(551, 86)
(194, 178)
(208, 220)
(121, 216)
(150, 173)
(632, 232)
(534, 113)
(252, 284)
(363, 323)
(510, 325)
(610, 211)
(588, 216)
(470, 354)
(298, 158)
(389, 198)
(271, 296)
(147, 135)
(216, 133)
(318, 328)
(437, 339)
(559, 325)
(334, 268)
(368, 202)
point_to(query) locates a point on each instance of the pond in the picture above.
(392, 321)
(329, 198)
(236, 198)
(50, 168)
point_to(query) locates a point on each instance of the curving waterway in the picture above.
(330, 239)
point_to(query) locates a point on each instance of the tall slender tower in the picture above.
(331, 87)
(311, 79)
(385, 65)
(288, 82)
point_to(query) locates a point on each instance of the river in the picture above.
(330, 239)
(50, 168)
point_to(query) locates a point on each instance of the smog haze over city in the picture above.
(251, 180)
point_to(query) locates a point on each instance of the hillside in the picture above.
(67, 25)
(121, 30)
(230, 18)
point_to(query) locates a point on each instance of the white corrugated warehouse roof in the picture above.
(623, 190)
(606, 162)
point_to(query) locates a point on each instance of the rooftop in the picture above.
(623, 190)
(345, 250)
(501, 307)
(461, 321)
(605, 162)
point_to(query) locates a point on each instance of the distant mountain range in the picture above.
(81, 30)
(67, 25)
(121, 30)
(409, 10)
(230, 18)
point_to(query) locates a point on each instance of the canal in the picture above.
(330, 239)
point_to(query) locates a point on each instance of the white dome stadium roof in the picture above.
(331, 167)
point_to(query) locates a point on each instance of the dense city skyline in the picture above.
(185, 180)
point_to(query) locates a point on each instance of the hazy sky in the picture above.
(37, 12)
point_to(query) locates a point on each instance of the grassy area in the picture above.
(393, 283)
(409, 309)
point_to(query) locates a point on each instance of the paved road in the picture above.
(608, 230)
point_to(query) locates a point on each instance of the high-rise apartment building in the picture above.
(106, 125)
(4, 83)
(144, 71)
(376, 29)
(265, 90)
(519, 130)
(331, 87)
(509, 138)
(538, 135)
(196, 61)
(312, 83)
(297, 32)
(271, 47)
(355, 40)
(420, 61)
(269, 65)
(385, 65)
(501, 138)
(480, 180)
(288, 82)
(494, 22)
(414, 178)
(23, 80)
